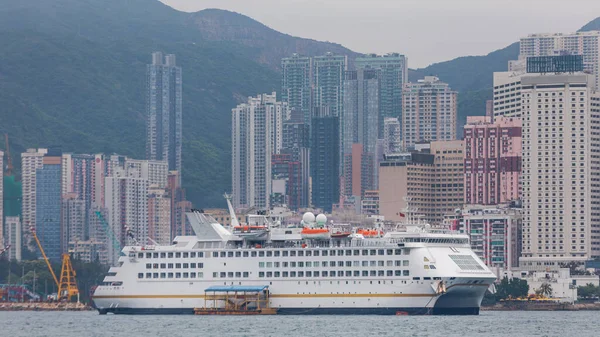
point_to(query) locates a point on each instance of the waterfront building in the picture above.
(492, 160)
(428, 112)
(164, 110)
(99, 232)
(287, 172)
(87, 251)
(296, 84)
(159, 216)
(392, 139)
(14, 237)
(586, 44)
(324, 159)
(127, 208)
(392, 70)
(431, 179)
(178, 200)
(495, 234)
(560, 143)
(31, 161)
(257, 128)
(181, 222)
(48, 188)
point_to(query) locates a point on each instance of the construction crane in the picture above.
(9, 165)
(110, 233)
(67, 286)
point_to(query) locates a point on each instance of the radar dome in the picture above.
(321, 219)
(308, 218)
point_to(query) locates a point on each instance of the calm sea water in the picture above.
(515, 324)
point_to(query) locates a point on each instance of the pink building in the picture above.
(492, 160)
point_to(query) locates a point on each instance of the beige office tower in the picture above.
(432, 179)
(561, 166)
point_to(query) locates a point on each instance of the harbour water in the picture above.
(90, 324)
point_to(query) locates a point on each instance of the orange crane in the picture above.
(67, 286)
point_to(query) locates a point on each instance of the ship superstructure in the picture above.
(413, 270)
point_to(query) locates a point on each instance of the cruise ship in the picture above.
(412, 269)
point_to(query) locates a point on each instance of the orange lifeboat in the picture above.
(370, 233)
(315, 233)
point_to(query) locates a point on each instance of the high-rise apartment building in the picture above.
(2, 234)
(296, 143)
(74, 220)
(560, 167)
(48, 196)
(164, 110)
(507, 94)
(31, 161)
(358, 172)
(392, 139)
(432, 179)
(155, 171)
(428, 112)
(324, 159)
(296, 89)
(492, 160)
(257, 128)
(159, 216)
(360, 126)
(127, 208)
(328, 77)
(495, 234)
(580, 43)
(392, 72)
(14, 237)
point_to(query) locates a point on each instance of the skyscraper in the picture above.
(492, 160)
(392, 71)
(392, 139)
(48, 196)
(507, 94)
(74, 220)
(256, 135)
(296, 143)
(560, 166)
(14, 237)
(296, 84)
(324, 159)
(328, 77)
(360, 124)
(164, 110)
(580, 43)
(31, 160)
(429, 111)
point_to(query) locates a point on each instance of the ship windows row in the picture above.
(335, 273)
(179, 255)
(174, 265)
(277, 253)
(316, 264)
(184, 275)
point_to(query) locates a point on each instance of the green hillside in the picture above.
(72, 74)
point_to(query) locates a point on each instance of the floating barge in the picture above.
(236, 300)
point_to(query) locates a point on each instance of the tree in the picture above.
(588, 291)
(511, 288)
(544, 290)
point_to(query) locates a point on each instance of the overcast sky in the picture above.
(427, 31)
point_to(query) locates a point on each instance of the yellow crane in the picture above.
(67, 286)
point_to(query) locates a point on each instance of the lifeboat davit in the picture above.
(251, 232)
(315, 233)
(370, 233)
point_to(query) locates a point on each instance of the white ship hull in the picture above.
(354, 277)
